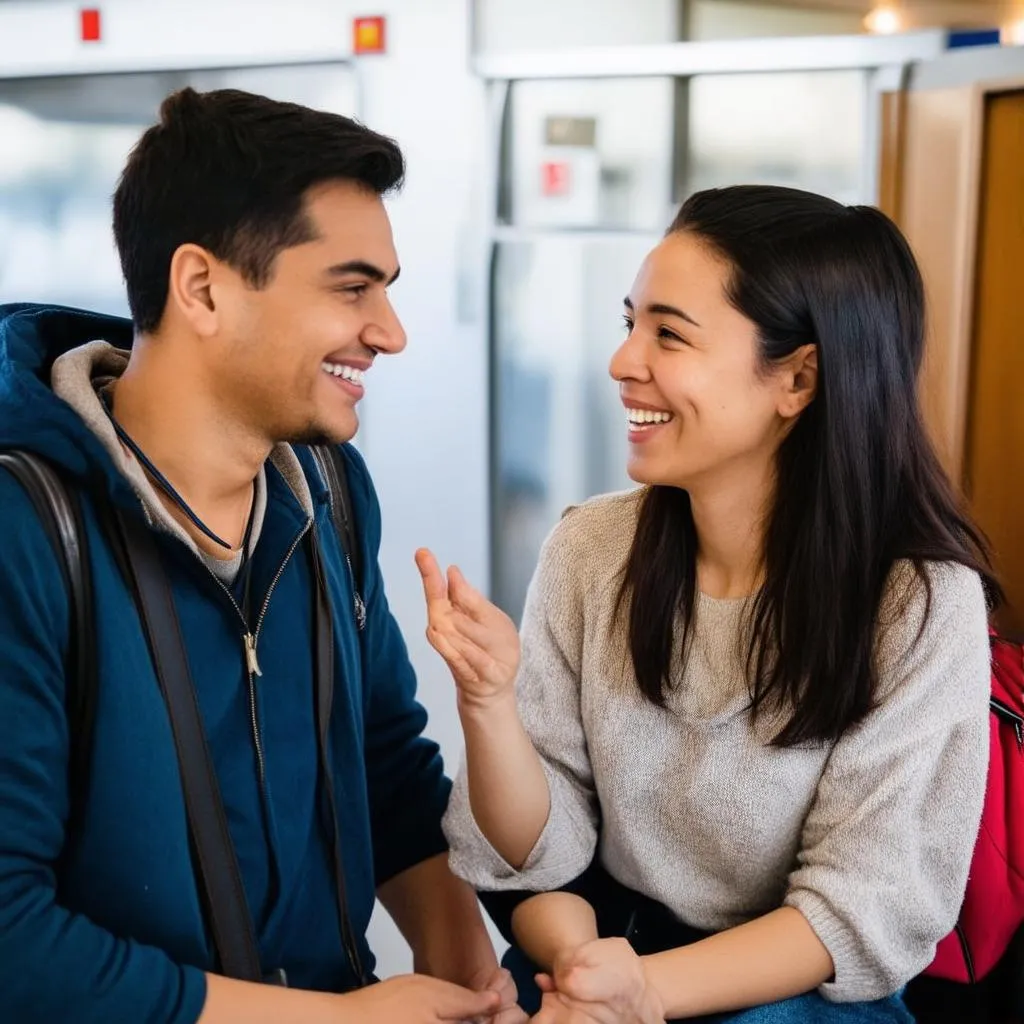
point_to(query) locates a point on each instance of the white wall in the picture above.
(514, 25)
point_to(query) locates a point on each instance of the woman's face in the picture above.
(700, 405)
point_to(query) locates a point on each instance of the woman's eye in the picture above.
(670, 336)
(355, 290)
(628, 324)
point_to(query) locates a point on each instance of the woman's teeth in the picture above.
(643, 419)
(345, 372)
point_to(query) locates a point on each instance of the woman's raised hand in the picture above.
(477, 639)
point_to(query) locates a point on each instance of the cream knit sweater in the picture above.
(870, 838)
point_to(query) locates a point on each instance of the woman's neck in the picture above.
(730, 515)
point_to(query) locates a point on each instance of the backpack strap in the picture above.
(324, 693)
(217, 864)
(60, 511)
(331, 464)
(138, 557)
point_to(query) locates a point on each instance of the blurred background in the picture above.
(549, 143)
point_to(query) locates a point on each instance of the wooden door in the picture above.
(994, 451)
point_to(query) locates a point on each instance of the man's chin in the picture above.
(323, 433)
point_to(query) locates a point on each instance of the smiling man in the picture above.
(257, 255)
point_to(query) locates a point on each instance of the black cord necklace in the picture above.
(168, 488)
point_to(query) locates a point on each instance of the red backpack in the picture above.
(993, 907)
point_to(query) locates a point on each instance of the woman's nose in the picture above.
(628, 362)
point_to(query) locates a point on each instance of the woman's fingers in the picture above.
(434, 586)
(445, 645)
(465, 596)
(482, 636)
(466, 660)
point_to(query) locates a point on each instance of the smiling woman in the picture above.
(693, 364)
(745, 686)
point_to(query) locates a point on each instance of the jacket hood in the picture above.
(32, 417)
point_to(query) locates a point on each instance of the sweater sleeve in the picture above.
(548, 698)
(55, 964)
(888, 841)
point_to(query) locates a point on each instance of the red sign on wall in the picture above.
(90, 24)
(556, 179)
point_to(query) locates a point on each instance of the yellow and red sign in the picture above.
(368, 35)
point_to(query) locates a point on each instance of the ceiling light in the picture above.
(884, 21)
(1013, 34)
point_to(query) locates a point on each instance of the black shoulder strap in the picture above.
(219, 875)
(139, 559)
(60, 512)
(332, 466)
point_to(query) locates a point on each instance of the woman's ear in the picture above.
(800, 381)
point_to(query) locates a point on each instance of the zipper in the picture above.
(250, 638)
(1006, 714)
(965, 949)
(357, 599)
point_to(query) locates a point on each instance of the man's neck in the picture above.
(211, 461)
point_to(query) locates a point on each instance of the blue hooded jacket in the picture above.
(119, 936)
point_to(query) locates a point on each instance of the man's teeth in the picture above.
(343, 371)
(641, 417)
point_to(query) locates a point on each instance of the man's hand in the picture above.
(415, 999)
(500, 981)
(601, 982)
(477, 639)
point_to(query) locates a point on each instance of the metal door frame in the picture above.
(885, 59)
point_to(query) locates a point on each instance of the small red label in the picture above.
(90, 24)
(368, 35)
(555, 179)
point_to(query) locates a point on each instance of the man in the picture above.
(257, 255)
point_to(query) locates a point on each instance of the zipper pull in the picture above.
(358, 604)
(251, 662)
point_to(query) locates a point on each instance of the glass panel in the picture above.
(65, 143)
(802, 129)
(741, 19)
(560, 432)
(591, 154)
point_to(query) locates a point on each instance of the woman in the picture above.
(756, 688)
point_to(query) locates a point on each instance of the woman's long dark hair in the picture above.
(858, 484)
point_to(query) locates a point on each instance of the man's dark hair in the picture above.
(228, 171)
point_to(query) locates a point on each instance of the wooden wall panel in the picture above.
(994, 462)
(938, 213)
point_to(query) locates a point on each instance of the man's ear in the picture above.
(190, 288)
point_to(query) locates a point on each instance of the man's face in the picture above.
(297, 349)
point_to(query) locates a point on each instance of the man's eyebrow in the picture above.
(370, 270)
(659, 308)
